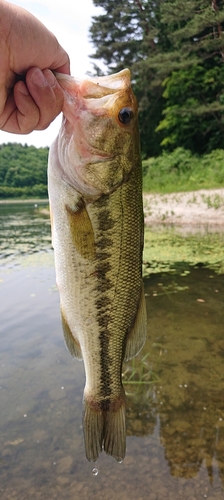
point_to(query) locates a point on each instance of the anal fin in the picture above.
(70, 341)
(137, 336)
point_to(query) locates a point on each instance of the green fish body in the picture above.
(95, 192)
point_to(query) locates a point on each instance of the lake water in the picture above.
(175, 387)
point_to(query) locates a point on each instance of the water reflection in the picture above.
(24, 230)
(186, 347)
(175, 419)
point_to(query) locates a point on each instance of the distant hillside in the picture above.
(23, 171)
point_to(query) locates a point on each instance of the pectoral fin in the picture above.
(71, 342)
(137, 335)
(81, 231)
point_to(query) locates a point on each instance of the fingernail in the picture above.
(49, 77)
(38, 78)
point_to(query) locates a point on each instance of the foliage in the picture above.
(121, 35)
(117, 33)
(175, 50)
(23, 171)
(180, 170)
(139, 373)
(186, 119)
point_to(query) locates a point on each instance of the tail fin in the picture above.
(104, 429)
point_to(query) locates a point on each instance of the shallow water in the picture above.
(175, 419)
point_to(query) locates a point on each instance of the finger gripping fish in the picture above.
(95, 192)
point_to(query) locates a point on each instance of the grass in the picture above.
(215, 201)
(139, 373)
(182, 171)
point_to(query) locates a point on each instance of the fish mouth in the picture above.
(99, 95)
(96, 87)
(105, 85)
(110, 82)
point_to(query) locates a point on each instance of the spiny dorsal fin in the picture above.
(137, 336)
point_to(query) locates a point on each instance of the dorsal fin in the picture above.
(137, 336)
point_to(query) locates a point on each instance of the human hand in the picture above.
(30, 96)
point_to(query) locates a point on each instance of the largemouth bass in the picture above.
(95, 192)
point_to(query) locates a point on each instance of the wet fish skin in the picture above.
(95, 192)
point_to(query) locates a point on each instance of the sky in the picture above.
(69, 21)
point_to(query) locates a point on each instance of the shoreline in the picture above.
(12, 201)
(194, 209)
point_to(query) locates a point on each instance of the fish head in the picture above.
(98, 142)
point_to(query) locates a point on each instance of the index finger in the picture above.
(64, 68)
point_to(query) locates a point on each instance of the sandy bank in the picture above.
(195, 209)
(204, 208)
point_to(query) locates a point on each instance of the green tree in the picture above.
(123, 35)
(194, 75)
(23, 170)
(193, 114)
(117, 33)
(175, 51)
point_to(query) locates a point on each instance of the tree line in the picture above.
(23, 171)
(175, 50)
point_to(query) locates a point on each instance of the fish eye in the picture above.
(125, 116)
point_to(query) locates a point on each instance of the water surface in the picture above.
(175, 407)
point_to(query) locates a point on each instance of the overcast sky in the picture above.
(69, 20)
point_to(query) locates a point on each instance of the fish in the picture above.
(95, 197)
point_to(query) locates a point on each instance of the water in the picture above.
(95, 470)
(175, 387)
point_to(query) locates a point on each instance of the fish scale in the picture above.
(97, 234)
